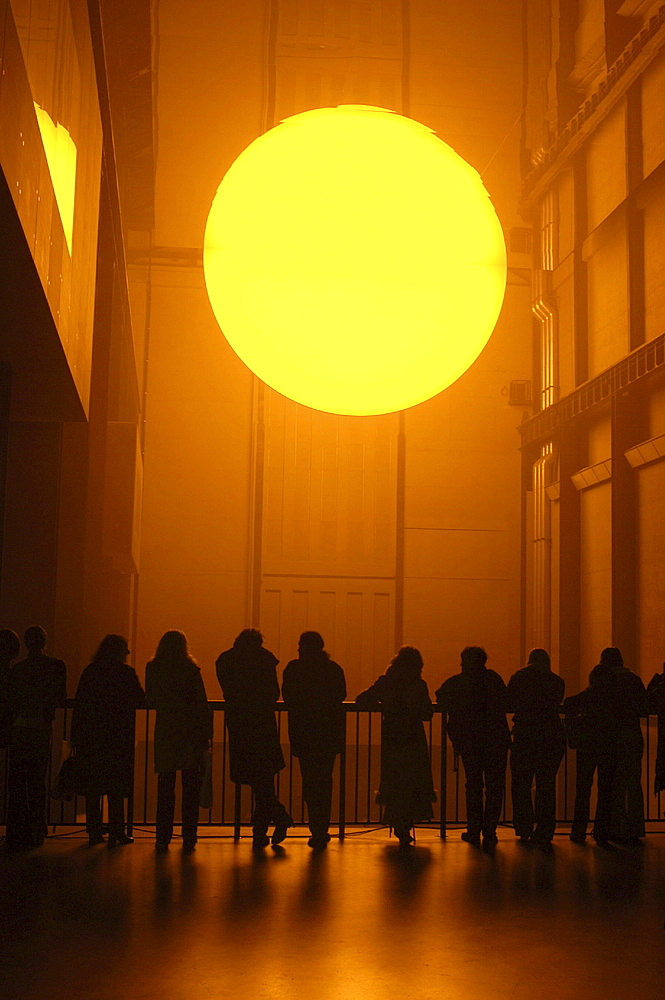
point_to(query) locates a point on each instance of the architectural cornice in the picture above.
(632, 62)
(640, 363)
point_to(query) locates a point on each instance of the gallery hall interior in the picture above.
(332, 335)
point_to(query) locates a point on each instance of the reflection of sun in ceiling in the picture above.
(354, 261)
(61, 158)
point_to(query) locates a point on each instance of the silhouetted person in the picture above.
(656, 706)
(534, 697)
(627, 819)
(102, 734)
(248, 680)
(314, 689)
(37, 686)
(592, 716)
(406, 789)
(183, 730)
(10, 646)
(475, 702)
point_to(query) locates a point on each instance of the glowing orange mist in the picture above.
(354, 261)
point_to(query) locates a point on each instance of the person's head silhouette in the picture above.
(310, 644)
(539, 658)
(113, 648)
(34, 638)
(10, 644)
(611, 657)
(473, 658)
(249, 638)
(407, 662)
(172, 646)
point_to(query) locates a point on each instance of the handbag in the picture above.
(575, 728)
(65, 784)
(205, 796)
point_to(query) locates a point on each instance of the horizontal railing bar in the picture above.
(357, 775)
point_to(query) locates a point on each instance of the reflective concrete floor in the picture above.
(360, 921)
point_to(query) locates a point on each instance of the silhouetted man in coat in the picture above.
(314, 689)
(475, 702)
(627, 823)
(248, 679)
(592, 727)
(534, 697)
(37, 686)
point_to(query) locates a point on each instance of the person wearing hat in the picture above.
(538, 744)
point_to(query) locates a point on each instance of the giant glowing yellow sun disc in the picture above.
(354, 261)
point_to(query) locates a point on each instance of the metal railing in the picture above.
(355, 781)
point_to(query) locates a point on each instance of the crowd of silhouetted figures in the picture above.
(602, 723)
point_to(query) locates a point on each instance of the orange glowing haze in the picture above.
(354, 261)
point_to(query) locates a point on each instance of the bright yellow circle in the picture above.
(354, 261)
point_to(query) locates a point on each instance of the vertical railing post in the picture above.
(222, 805)
(130, 797)
(646, 778)
(62, 804)
(564, 764)
(342, 785)
(145, 766)
(368, 804)
(356, 776)
(236, 812)
(443, 778)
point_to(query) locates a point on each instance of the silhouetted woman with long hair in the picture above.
(314, 689)
(107, 697)
(183, 730)
(406, 790)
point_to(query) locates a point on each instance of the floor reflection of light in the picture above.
(354, 261)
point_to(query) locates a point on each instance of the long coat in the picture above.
(656, 705)
(406, 775)
(248, 680)
(6, 720)
(107, 697)
(314, 689)
(534, 697)
(183, 726)
(628, 804)
(476, 702)
(592, 716)
(36, 687)
(609, 735)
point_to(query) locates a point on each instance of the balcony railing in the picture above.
(356, 778)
